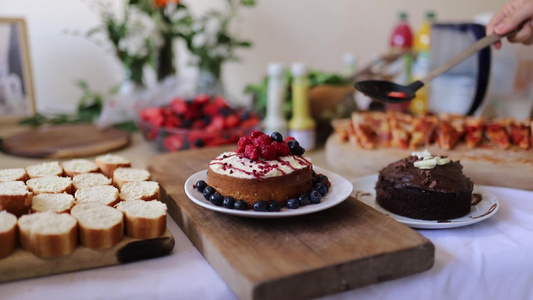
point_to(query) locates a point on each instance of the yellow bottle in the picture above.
(301, 125)
(422, 46)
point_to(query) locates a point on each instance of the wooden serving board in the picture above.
(338, 249)
(65, 141)
(486, 165)
(23, 264)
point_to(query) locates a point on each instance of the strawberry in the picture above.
(202, 99)
(173, 142)
(268, 152)
(251, 152)
(178, 106)
(198, 124)
(153, 115)
(231, 121)
(217, 124)
(281, 148)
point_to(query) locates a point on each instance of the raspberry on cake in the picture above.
(262, 168)
(423, 186)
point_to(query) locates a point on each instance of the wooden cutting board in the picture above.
(65, 141)
(341, 248)
(23, 264)
(485, 165)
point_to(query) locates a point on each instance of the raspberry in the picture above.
(256, 133)
(281, 148)
(268, 152)
(262, 140)
(240, 149)
(251, 152)
(245, 140)
(289, 138)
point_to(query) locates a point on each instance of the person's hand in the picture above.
(509, 17)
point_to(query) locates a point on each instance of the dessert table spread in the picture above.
(487, 260)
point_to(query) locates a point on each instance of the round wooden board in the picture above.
(65, 141)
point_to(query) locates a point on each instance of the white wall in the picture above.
(315, 32)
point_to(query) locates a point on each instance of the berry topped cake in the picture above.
(423, 186)
(264, 172)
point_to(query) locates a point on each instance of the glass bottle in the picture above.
(301, 125)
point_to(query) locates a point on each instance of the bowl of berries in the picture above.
(203, 121)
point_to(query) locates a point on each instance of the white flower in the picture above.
(199, 40)
(177, 15)
(142, 36)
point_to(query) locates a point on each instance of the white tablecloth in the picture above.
(492, 259)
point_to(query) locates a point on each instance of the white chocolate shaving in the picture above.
(429, 161)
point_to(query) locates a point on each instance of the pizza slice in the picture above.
(474, 131)
(496, 132)
(423, 128)
(379, 123)
(400, 126)
(519, 133)
(341, 127)
(364, 133)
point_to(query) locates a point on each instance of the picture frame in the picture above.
(16, 82)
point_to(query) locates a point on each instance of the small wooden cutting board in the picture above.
(65, 141)
(23, 264)
(338, 249)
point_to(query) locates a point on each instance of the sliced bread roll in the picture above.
(105, 194)
(51, 168)
(48, 234)
(144, 219)
(15, 197)
(140, 190)
(109, 162)
(101, 226)
(8, 233)
(89, 179)
(123, 175)
(78, 166)
(50, 184)
(58, 203)
(16, 174)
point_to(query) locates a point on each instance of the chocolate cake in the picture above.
(425, 187)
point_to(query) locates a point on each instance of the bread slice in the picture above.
(140, 190)
(59, 203)
(101, 226)
(105, 194)
(89, 179)
(50, 184)
(123, 175)
(8, 233)
(78, 166)
(15, 197)
(109, 162)
(144, 219)
(51, 168)
(16, 174)
(48, 234)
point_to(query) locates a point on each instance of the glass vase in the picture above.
(209, 82)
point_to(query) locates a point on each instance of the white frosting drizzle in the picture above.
(232, 164)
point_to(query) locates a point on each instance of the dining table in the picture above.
(491, 259)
